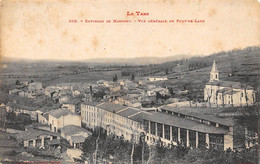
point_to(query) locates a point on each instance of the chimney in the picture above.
(91, 94)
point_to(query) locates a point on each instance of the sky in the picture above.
(37, 29)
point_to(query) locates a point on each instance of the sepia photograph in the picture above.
(129, 81)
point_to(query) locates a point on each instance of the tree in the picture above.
(17, 82)
(217, 94)
(209, 95)
(100, 119)
(141, 152)
(115, 78)
(133, 77)
(158, 152)
(166, 71)
(88, 148)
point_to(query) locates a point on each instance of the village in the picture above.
(66, 114)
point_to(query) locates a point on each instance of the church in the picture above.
(220, 93)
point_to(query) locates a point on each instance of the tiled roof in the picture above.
(45, 109)
(111, 107)
(235, 85)
(181, 123)
(19, 106)
(77, 139)
(138, 117)
(128, 112)
(201, 113)
(73, 101)
(53, 142)
(72, 129)
(59, 112)
(33, 133)
(230, 92)
(223, 90)
(134, 92)
(158, 77)
(91, 103)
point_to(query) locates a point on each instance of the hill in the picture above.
(236, 65)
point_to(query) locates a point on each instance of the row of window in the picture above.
(217, 139)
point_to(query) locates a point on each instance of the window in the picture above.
(167, 132)
(153, 128)
(216, 141)
(242, 95)
(216, 76)
(183, 134)
(192, 138)
(146, 126)
(174, 134)
(202, 140)
(159, 130)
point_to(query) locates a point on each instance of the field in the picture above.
(53, 73)
(239, 66)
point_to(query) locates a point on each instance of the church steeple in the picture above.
(214, 74)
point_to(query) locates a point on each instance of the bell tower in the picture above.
(214, 74)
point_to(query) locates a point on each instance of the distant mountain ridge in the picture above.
(138, 60)
(110, 61)
(126, 61)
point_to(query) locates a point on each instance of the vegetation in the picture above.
(17, 121)
(112, 148)
(115, 78)
(118, 150)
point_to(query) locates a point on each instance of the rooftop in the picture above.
(128, 112)
(209, 114)
(91, 103)
(111, 107)
(234, 85)
(78, 139)
(158, 77)
(182, 123)
(33, 133)
(72, 129)
(53, 142)
(59, 112)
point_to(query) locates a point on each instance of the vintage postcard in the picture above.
(129, 81)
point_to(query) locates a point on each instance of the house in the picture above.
(161, 91)
(18, 108)
(64, 99)
(227, 93)
(128, 84)
(43, 115)
(143, 82)
(72, 106)
(115, 119)
(51, 90)
(158, 78)
(75, 135)
(34, 86)
(128, 101)
(134, 94)
(108, 83)
(100, 82)
(60, 118)
(15, 91)
(115, 88)
(38, 138)
(2, 114)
